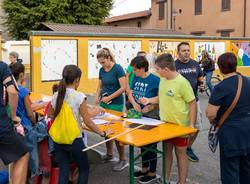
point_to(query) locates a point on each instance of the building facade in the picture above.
(229, 18)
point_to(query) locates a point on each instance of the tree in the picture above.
(26, 15)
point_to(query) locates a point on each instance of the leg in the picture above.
(81, 160)
(19, 170)
(120, 149)
(182, 163)
(230, 168)
(62, 156)
(145, 163)
(153, 161)
(169, 159)
(109, 146)
(208, 80)
(245, 169)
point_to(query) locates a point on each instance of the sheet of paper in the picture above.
(107, 116)
(145, 121)
(99, 121)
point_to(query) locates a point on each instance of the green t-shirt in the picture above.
(131, 75)
(174, 96)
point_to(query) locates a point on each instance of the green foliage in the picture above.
(26, 15)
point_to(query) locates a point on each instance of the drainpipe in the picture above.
(245, 18)
(171, 14)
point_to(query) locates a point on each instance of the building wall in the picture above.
(3, 28)
(212, 18)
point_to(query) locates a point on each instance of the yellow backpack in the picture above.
(64, 129)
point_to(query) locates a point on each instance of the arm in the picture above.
(29, 111)
(13, 99)
(192, 112)
(211, 111)
(131, 99)
(122, 82)
(127, 82)
(153, 100)
(88, 122)
(98, 92)
(95, 110)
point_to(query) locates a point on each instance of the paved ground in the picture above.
(206, 171)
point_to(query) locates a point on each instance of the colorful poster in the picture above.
(215, 49)
(242, 51)
(123, 51)
(161, 47)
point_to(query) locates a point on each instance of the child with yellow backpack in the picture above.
(69, 106)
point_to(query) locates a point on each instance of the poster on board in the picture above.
(161, 47)
(242, 51)
(123, 51)
(214, 49)
(55, 54)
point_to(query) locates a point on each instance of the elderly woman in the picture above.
(14, 57)
(234, 134)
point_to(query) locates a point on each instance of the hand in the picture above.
(95, 110)
(19, 128)
(109, 132)
(144, 101)
(137, 107)
(16, 119)
(147, 108)
(106, 99)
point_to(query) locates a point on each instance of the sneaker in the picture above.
(120, 165)
(108, 158)
(191, 156)
(147, 179)
(139, 174)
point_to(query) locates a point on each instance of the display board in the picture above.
(215, 49)
(161, 47)
(242, 51)
(55, 54)
(123, 51)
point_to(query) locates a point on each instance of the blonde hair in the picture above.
(106, 54)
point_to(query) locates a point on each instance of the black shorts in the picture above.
(12, 147)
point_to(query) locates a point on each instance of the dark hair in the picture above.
(180, 44)
(69, 75)
(55, 88)
(165, 61)
(141, 53)
(227, 63)
(140, 62)
(16, 69)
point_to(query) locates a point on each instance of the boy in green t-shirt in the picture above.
(177, 105)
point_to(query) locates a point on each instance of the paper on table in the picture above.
(99, 121)
(107, 116)
(145, 121)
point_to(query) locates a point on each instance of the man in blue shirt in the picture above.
(191, 70)
(13, 149)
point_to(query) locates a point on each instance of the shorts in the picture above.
(178, 141)
(12, 147)
(198, 124)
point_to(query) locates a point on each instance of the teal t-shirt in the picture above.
(110, 82)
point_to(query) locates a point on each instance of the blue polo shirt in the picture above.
(234, 133)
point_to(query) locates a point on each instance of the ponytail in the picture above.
(60, 97)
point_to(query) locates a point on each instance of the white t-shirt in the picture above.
(74, 99)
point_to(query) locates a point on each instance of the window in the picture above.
(161, 10)
(197, 7)
(139, 24)
(225, 5)
(225, 33)
(198, 33)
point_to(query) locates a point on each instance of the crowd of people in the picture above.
(169, 93)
